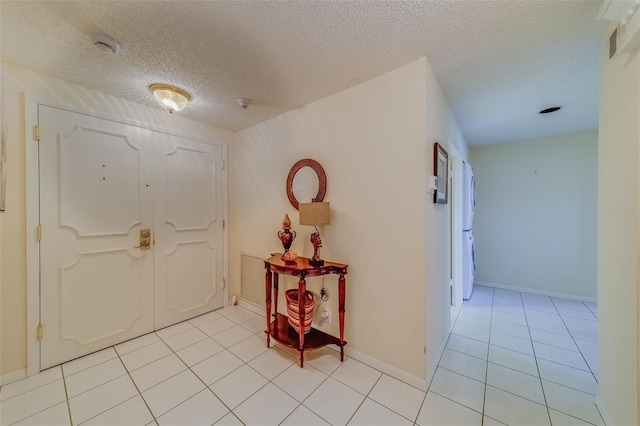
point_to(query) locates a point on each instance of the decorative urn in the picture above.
(286, 235)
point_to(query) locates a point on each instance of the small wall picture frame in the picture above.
(441, 171)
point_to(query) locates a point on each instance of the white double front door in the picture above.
(102, 183)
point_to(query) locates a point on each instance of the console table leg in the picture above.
(275, 294)
(302, 298)
(341, 297)
(267, 281)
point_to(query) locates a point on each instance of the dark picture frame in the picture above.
(441, 171)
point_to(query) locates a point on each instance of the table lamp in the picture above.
(315, 214)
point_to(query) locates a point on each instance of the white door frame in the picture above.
(32, 212)
(456, 227)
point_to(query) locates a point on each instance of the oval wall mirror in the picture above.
(307, 182)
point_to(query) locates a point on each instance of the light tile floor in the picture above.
(512, 358)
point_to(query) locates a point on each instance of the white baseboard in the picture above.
(388, 369)
(538, 291)
(13, 376)
(434, 366)
(359, 356)
(260, 310)
(603, 412)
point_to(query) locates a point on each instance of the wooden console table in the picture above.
(279, 328)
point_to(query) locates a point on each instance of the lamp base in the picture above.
(319, 262)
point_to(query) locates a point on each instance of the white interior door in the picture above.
(101, 183)
(96, 289)
(189, 229)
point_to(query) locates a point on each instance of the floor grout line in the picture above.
(533, 348)
(153, 416)
(509, 304)
(575, 343)
(486, 367)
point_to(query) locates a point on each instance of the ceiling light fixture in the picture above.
(170, 97)
(549, 110)
(105, 43)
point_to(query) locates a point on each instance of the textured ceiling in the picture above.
(499, 62)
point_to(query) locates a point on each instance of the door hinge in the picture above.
(39, 332)
(224, 283)
(224, 224)
(39, 232)
(224, 165)
(36, 133)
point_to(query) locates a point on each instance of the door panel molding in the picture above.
(193, 132)
(182, 185)
(178, 229)
(98, 186)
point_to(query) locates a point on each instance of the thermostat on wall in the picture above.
(432, 183)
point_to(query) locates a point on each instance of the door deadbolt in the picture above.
(145, 239)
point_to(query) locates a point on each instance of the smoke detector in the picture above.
(105, 43)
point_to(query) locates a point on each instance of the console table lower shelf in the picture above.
(283, 333)
(278, 324)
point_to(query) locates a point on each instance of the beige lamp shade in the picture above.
(314, 214)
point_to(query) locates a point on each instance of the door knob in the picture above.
(145, 239)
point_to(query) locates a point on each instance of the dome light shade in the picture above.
(170, 97)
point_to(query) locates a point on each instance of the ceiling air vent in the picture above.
(613, 43)
(626, 37)
(550, 110)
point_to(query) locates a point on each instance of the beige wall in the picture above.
(535, 223)
(375, 142)
(13, 331)
(618, 220)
